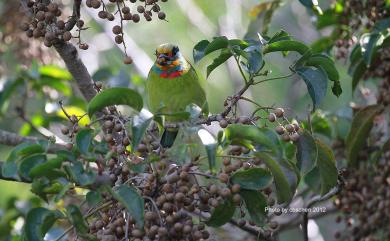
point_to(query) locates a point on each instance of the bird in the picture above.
(172, 85)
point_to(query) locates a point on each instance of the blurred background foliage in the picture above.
(34, 77)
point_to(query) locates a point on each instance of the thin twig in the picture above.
(274, 78)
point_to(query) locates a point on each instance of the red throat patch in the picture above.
(171, 75)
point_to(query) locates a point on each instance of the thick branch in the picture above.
(252, 231)
(76, 67)
(12, 139)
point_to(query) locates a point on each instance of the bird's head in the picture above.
(167, 55)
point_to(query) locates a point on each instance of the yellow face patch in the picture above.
(165, 49)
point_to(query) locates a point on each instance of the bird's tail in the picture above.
(168, 137)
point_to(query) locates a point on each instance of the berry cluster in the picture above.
(179, 198)
(356, 14)
(365, 202)
(288, 131)
(47, 20)
(46, 23)
(123, 9)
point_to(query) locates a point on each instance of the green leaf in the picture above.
(323, 44)
(238, 43)
(255, 59)
(286, 45)
(326, 63)
(80, 176)
(217, 43)
(257, 137)
(316, 82)
(48, 169)
(10, 167)
(382, 25)
(320, 124)
(199, 50)
(138, 128)
(279, 36)
(252, 179)
(327, 167)
(28, 163)
(29, 149)
(312, 180)
(327, 19)
(222, 58)
(255, 203)
(360, 129)
(37, 224)
(211, 151)
(54, 71)
(115, 96)
(307, 153)
(76, 219)
(283, 191)
(93, 198)
(8, 89)
(369, 46)
(102, 74)
(222, 213)
(312, 4)
(56, 84)
(133, 202)
(358, 73)
(83, 140)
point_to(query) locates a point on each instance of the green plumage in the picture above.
(168, 96)
(173, 95)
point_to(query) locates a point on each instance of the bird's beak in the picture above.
(161, 60)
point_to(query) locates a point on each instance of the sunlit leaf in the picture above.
(55, 72)
(77, 111)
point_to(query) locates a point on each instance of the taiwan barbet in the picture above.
(172, 85)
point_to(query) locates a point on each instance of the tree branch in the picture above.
(76, 67)
(11, 139)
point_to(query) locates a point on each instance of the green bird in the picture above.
(172, 85)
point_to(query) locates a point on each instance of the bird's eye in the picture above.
(175, 50)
